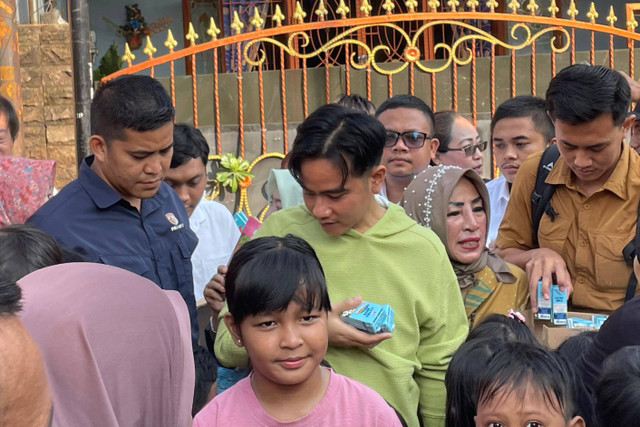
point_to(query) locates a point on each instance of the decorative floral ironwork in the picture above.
(457, 52)
(234, 172)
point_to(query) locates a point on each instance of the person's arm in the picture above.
(441, 334)
(634, 85)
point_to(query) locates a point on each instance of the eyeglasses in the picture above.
(412, 139)
(469, 150)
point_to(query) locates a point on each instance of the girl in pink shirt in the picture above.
(278, 309)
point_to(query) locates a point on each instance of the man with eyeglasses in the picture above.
(409, 146)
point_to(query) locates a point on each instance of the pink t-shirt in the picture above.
(346, 403)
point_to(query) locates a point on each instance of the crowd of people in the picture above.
(100, 284)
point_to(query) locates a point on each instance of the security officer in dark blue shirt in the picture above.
(119, 211)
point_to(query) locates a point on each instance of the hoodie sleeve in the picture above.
(445, 328)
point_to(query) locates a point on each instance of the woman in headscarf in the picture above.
(454, 203)
(117, 348)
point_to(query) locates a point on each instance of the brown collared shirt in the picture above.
(588, 232)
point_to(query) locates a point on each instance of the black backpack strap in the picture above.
(542, 192)
(629, 253)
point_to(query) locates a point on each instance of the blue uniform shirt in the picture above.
(90, 217)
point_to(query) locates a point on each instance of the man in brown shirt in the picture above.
(597, 180)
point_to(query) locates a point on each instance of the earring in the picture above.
(239, 341)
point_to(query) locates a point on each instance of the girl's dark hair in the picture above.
(574, 346)
(618, 389)
(462, 377)
(267, 273)
(502, 327)
(24, 249)
(518, 366)
(442, 128)
(351, 140)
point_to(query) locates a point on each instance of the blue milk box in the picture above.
(544, 306)
(370, 317)
(558, 305)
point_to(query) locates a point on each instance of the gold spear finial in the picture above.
(149, 49)
(170, 43)
(366, 7)
(453, 4)
(553, 8)
(128, 56)
(472, 4)
(592, 14)
(256, 20)
(277, 16)
(388, 6)
(191, 35)
(411, 5)
(342, 9)
(514, 6)
(434, 5)
(572, 12)
(492, 4)
(237, 24)
(299, 14)
(532, 7)
(321, 10)
(611, 19)
(213, 31)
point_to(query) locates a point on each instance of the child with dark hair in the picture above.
(618, 389)
(462, 377)
(525, 384)
(505, 328)
(278, 306)
(24, 249)
(576, 345)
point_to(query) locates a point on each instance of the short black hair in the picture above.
(442, 128)
(580, 93)
(351, 140)
(618, 389)
(526, 106)
(138, 103)
(408, 101)
(10, 296)
(502, 327)
(11, 115)
(461, 379)
(574, 346)
(267, 273)
(24, 249)
(188, 143)
(357, 103)
(518, 365)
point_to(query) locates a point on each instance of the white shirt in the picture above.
(498, 189)
(217, 234)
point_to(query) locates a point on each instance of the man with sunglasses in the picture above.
(409, 145)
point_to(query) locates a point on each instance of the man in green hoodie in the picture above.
(370, 250)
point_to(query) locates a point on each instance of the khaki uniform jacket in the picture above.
(588, 232)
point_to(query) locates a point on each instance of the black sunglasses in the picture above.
(412, 139)
(469, 150)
